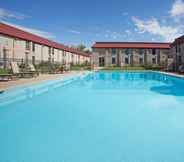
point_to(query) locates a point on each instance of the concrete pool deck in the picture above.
(42, 77)
(171, 74)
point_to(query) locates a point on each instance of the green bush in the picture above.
(4, 71)
(133, 68)
(80, 67)
(48, 67)
(155, 68)
(124, 68)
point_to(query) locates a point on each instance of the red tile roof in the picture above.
(18, 33)
(131, 45)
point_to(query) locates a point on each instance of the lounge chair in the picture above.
(16, 71)
(5, 77)
(33, 70)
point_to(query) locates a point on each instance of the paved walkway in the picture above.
(40, 78)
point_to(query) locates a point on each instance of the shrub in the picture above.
(48, 67)
(4, 71)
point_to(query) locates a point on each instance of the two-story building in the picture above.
(130, 54)
(21, 46)
(177, 51)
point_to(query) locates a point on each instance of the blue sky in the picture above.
(83, 21)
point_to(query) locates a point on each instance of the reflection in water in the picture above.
(21, 94)
(156, 82)
(168, 90)
(133, 76)
(109, 81)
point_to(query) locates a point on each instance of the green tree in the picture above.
(81, 47)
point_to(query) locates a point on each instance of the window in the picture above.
(179, 48)
(141, 51)
(128, 51)
(33, 47)
(49, 59)
(33, 60)
(113, 51)
(113, 60)
(140, 61)
(27, 45)
(126, 60)
(101, 61)
(153, 60)
(53, 51)
(179, 60)
(153, 51)
(49, 50)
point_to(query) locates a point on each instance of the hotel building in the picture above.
(21, 46)
(177, 51)
(130, 54)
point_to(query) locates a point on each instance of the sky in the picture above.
(72, 22)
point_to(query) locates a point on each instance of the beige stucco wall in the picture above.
(134, 57)
(16, 50)
(177, 52)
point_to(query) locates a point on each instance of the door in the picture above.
(33, 60)
(4, 58)
(26, 58)
(101, 61)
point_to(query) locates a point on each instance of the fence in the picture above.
(5, 62)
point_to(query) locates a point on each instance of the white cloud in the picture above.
(128, 32)
(4, 14)
(152, 26)
(177, 8)
(33, 31)
(74, 31)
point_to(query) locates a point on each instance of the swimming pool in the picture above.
(102, 117)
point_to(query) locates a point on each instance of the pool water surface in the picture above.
(103, 117)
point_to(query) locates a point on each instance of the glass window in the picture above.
(141, 51)
(27, 45)
(33, 47)
(113, 60)
(101, 61)
(49, 50)
(179, 48)
(153, 60)
(141, 61)
(33, 60)
(126, 60)
(179, 60)
(113, 51)
(154, 51)
(128, 51)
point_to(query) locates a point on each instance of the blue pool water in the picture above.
(103, 117)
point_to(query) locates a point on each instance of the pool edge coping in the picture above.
(82, 73)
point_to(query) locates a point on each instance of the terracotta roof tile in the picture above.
(131, 45)
(18, 33)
